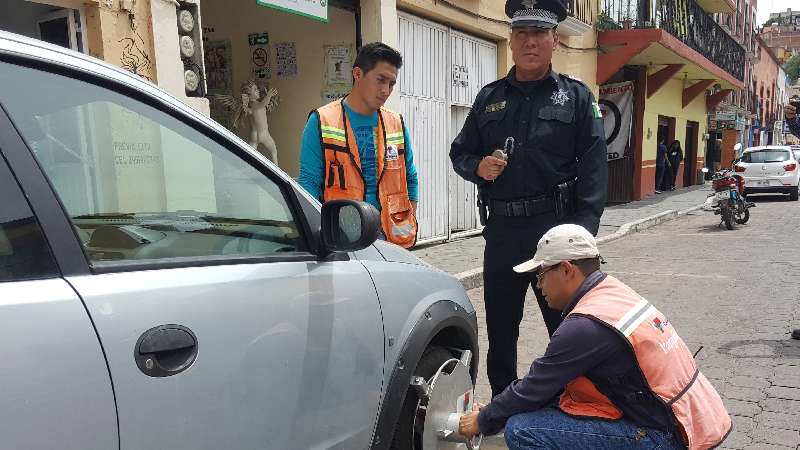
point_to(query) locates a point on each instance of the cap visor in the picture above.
(533, 24)
(528, 266)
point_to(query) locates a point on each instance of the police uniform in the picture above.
(556, 173)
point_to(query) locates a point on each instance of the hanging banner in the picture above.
(312, 9)
(616, 104)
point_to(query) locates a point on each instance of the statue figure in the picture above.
(255, 107)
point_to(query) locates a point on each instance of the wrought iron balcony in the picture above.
(580, 18)
(683, 19)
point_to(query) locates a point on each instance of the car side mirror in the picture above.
(347, 226)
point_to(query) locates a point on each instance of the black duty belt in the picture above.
(523, 207)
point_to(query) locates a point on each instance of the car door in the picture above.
(56, 389)
(220, 326)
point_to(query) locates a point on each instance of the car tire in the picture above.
(408, 432)
(794, 194)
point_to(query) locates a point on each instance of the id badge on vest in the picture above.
(392, 157)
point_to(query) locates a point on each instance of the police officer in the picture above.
(553, 170)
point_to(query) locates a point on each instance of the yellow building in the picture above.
(659, 46)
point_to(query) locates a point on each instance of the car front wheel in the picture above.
(409, 428)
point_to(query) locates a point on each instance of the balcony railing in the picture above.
(685, 20)
(581, 10)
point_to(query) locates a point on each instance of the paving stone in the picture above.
(776, 436)
(780, 405)
(785, 421)
(784, 392)
(752, 382)
(743, 393)
(741, 407)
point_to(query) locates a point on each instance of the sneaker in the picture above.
(672, 188)
(657, 191)
(796, 334)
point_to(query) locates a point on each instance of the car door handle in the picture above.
(165, 350)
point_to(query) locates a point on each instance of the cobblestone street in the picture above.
(735, 293)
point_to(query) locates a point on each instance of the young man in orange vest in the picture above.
(356, 149)
(625, 377)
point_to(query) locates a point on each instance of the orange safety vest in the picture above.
(663, 359)
(343, 178)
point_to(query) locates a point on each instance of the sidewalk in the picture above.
(464, 257)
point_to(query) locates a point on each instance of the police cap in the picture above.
(536, 13)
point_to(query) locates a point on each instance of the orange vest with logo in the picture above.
(343, 178)
(664, 360)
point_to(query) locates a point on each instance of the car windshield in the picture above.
(766, 156)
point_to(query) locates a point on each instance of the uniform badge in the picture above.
(494, 107)
(560, 97)
(391, 153)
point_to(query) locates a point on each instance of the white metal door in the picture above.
(474, 65)
(424, 105)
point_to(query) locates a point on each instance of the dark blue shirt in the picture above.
(794, 125)
(580, 346)
(661, 153)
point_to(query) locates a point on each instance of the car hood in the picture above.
(395, 253)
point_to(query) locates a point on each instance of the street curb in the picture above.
(473, 278)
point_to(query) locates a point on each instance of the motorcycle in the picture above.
(728, 200)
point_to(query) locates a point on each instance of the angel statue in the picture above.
(255, 106)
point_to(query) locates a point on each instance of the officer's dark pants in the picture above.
(510, 241)
(660, 170)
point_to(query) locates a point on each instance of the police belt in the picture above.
(561, 201)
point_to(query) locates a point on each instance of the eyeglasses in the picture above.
(541, 273)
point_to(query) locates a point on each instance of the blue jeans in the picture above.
(550, 428)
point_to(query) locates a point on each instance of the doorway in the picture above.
(59, 26)
(690, 154)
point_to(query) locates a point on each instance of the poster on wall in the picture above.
(218, 66)
(338, 65)
(616, 105)
(286, 59)
(260, 65)
(333, 94)
(312, 9)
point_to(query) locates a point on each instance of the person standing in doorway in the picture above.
(357, 149)
(534, 144)
(674, 158)
(661, 164)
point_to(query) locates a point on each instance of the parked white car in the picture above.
(770, 169)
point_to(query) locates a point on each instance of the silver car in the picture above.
(163, 286)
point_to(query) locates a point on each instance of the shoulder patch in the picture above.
(494, 107)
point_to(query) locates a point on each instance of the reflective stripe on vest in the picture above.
(342, 170)
(663, 359)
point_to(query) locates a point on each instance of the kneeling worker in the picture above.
(628, 379)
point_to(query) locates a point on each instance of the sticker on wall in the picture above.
(338, 65)
(260, 67)
(286, 59)
(331, 95)
(218, 66)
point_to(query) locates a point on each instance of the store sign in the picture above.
(313, 9)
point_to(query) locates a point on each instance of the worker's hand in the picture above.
(490, 168)
(468, 424)
(790, 111)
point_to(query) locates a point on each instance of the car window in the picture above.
(765, 156)
(24, 252)
(797, 154)
(139, 184)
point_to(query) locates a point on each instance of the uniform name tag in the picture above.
(494, 107)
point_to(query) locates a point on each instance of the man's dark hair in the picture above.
(587, 265)
(371, 54)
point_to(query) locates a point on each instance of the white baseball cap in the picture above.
(561, 243)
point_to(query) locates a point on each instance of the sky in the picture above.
(765, 7)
